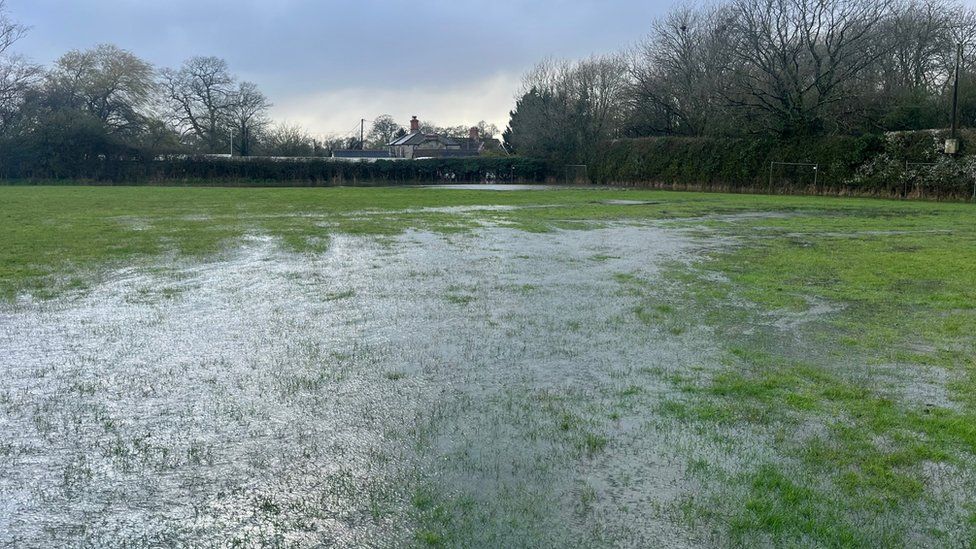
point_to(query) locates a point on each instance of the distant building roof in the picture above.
(417, 138)
(361, 154)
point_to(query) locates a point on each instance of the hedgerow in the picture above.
(896, 164)
(293, 172)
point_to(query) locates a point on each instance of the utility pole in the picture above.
(952, 144)
(955, 92)
(362, 131)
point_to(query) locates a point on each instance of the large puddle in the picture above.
(275, 398)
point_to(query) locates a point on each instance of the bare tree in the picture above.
(201, 98)
(334, 142)
(795, 58)
(903, 89)
(600, 87)
(17, 77)
(17, 74)
(487, 130)
(285, 139)
(963, 31)
(10, 31)
(681, 72)
(576, 105)
(383, 130)
(109, 83)
(921, 33)
(249, 113)
(450, 131)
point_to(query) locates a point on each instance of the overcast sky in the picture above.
(328, 63)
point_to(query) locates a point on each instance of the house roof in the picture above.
(417, 138)
(400, 140)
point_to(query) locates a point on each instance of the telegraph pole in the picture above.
(955, 92)
(952, 144)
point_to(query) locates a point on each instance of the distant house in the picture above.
(417, 144)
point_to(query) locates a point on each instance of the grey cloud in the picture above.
(299, 49)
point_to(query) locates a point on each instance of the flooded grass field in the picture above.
(465, 367)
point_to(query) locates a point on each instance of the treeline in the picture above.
(758, 71)
(106, 102)
(104, 111)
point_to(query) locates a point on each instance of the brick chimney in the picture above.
(414, 125)
(474, 134)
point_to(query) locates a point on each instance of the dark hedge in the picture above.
(312, 172)
(895, 164)
(727, 161)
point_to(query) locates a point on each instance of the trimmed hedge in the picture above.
(726, 161)
(311, 172)
(896, 164)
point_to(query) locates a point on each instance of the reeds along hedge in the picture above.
(908, 164)
(292, 171)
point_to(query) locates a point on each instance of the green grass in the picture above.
(55, 236)
(870, 286)
(901, 290)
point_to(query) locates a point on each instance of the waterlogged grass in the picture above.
(835, 405)
(852, 349)
(54, 237)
